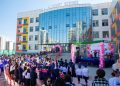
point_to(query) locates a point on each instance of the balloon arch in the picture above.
(60, 51)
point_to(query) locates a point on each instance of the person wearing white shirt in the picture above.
(112, 81)
(79, 73)
(114, 67)
(64, 69)
(85, 73)
(27, 77)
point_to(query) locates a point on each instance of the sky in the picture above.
(10, 8)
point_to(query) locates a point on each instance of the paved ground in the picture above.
(3, 81)
(92, 73)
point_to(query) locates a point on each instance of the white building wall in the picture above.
(32, 14)
(100, 17)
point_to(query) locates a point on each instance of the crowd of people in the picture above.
(26, 69)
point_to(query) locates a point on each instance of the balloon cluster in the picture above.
(73, 52)
(101, 65)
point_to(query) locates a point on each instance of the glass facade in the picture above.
(58, 23)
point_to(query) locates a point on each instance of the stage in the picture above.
(95, 61)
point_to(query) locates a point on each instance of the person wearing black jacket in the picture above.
(33, 76)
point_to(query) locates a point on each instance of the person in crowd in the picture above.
(56, 72)
(47, 82)
(68, 80)
(79, 73)
(100, 80)
(59, 82)
(70, 63)
(69, 70)
(95, 54)
(73, 70)
(112, 80)
(64, 69)
(12, 68)
(1, 67)
(61, 75)
(16, 72)
(85, 74)
(20, 69)
(61, 62)
(66, 63)
(27, 77)
(114, 67)
(115, 80)
(33, 77)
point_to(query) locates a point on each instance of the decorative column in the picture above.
(73, 53)
(101, 58)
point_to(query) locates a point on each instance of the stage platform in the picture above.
(95, 61)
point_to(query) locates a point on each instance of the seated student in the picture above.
(100, 80)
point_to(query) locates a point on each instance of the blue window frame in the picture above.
(36, 28)
(36, 37)
(95, 12)
(31, 29)
(31, 20)
(37, 19)
(104, 11)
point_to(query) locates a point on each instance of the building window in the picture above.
(19, 38)
(104, 11)
(31, 20)
(36, 47)
(67, 25)
(30, 46)
(95, 12)
(36, 28)
(24, 30)
(19, 47)
(67, 14)
(30, 38)
(105, 34)
(24, 47)
(95, 23)
(20, 21)
(37, 19)
(105, 22)
(50, 27)
(25, 22)
(74, 25)
(24, 38)
(95, 34)
(42, 28)
(31, 29)
(36, 37)
(18, 30)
